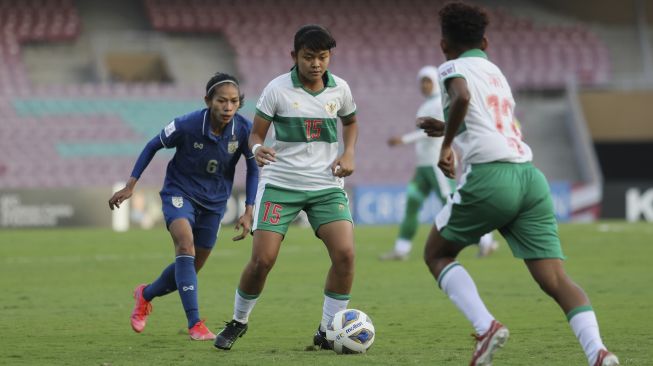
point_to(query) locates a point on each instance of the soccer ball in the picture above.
(350, 331)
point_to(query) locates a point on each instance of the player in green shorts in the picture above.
(301, 171)
(428, 178)
(499, 189)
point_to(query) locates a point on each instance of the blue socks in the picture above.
(163, 285)
(186, 279)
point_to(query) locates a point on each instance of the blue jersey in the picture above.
(204, 164)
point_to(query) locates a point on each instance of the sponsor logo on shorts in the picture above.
(198, 145)
(178, 202)
(188, 288)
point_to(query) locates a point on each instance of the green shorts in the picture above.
(513, 198)
(429, 179)
(277, 207)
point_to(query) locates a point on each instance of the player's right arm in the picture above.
(459, 103)
(266, 109)
(143, 161)
(168, 138)
(264, 155)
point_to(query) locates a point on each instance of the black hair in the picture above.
(218, 77)
(463, 25)
(314, 37)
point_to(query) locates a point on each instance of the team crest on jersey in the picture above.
(331, 108)
(233, 145)
(178, 202)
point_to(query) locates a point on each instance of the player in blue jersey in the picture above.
(198, 183)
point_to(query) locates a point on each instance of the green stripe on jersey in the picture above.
(306, 129)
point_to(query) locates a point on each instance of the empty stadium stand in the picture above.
(68, 135)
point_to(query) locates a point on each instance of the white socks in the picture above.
(330, 308)
(459, 286)
(586, 329)
(243, 305)
(486, 240)
(403, 246)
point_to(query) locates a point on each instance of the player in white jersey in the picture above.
(301, 171)
(500, 189)
(428, 178)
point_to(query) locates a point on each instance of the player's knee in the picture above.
(550, 284)
(261, 265)
(343, 261)
(184, 247)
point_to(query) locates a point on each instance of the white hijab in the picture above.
(432, 73)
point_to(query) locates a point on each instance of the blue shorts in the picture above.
(205, 223)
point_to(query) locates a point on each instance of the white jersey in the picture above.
(427, 149)
(305, 131)
(489, 132)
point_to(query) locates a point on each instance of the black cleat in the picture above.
(231, 332)
(320, 340)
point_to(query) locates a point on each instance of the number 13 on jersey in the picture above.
(505, 122)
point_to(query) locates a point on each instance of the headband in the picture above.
(221, 82)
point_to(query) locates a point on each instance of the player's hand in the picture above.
(343, 166)
(245, 222)
(265, 155)
(120, 196)
(447, 162)
(394, 141)
(432, 126)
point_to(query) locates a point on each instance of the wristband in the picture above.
(254, 148)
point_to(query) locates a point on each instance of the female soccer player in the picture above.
(428, 178)
(301, 171)
(500, 189)
(198, 182)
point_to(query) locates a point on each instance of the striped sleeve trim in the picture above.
(349, 115)
(452, 76)
(263, 115)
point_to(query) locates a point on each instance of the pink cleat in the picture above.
(488, 343)
(199, 332)
(142, 310)
(606, 358)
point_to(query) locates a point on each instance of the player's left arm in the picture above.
(459, 103)
(344, 166)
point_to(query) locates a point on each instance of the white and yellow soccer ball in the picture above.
(351, 331)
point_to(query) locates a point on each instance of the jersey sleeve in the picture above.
(449, 70)
(245, 139)
(170, 134)
(266, 107)
(348, 108)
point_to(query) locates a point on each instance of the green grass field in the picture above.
(66, 300)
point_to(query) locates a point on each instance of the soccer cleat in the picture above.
(606, 358)
(488, 343)
(320, 340)
(393, 255)
(199, 332)
(231, 332)
(142, 309)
